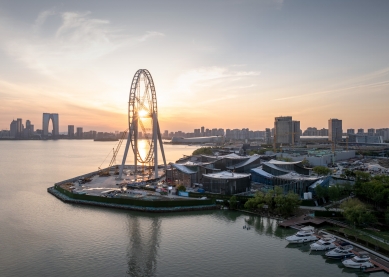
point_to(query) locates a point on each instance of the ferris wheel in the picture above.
(143, 117)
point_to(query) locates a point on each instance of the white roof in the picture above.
(183, 169)
(276, 167)
(226, 175)
(262, 172)
(228, 156)
(296, 176)
(194, 163)
(282, 162)
(251, 159)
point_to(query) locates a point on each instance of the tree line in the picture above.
(274, 201)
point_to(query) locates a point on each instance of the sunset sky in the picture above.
(222, 63)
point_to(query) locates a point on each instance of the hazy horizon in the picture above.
(225, 64)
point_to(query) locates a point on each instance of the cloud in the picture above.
(218, 99)
(150, 35)
(209, 77)
(79, 37)
(371, 85)
(41, 19)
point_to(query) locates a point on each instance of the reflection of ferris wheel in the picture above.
(143, 117)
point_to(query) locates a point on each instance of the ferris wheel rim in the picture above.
(133, 106)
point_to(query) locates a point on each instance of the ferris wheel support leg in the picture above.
(135, 149)
(161, 145)
(125, 153)
(155, 136)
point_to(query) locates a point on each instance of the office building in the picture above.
(371, 132)
(19, 128)
(80, 133)
(45, 124)
(361, 131)
(384, 133)
(286, 130)
(70, 131)
(335, 130)
(366, 139)
(350, 131)
(13, 128)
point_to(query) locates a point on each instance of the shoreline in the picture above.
(67, 199)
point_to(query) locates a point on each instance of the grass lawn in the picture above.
(354, 235)
(383, 234)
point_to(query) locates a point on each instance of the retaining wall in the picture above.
(135, 202)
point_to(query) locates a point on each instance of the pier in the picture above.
(381, 263)
(296, 222)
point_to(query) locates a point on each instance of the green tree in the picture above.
(203, 151)
(233, 202)
(256, 202)
(268, 199)
(357, 212)
(374, 190)
(321, 170)
(349, 173)
(250, 204)
(334, 193)
(181, 188)
(305, 163)
(387, 216)
(321, 191)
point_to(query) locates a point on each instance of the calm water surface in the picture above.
(42, 236)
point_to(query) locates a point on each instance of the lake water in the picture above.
(42, 236)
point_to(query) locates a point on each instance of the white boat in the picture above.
(305, 234)
(341, 252)
(326, 243)
(362, 260)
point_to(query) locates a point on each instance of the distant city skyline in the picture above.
(232, 64)
(198, 130)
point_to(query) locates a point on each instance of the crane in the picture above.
(113, 159)
(285, 133)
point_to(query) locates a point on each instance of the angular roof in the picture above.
(228, 156)
(226, 175)
(183, 169)
(195, 163)
(274, 166)
(262, 172)
(296, 176)
(251, 159)
(282, 162)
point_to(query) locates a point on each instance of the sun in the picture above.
(143, 113)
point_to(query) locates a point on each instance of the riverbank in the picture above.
(67, 199)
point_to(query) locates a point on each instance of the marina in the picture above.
(352, 255)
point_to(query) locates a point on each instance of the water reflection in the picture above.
(142, 250)
(143, 148)
(267, 226)
(303, 247)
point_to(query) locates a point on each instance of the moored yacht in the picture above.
(305, 234)
(326, 243)
(341, 252)
(362, 260)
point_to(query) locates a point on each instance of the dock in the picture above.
(380, 264)
(297, 221)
